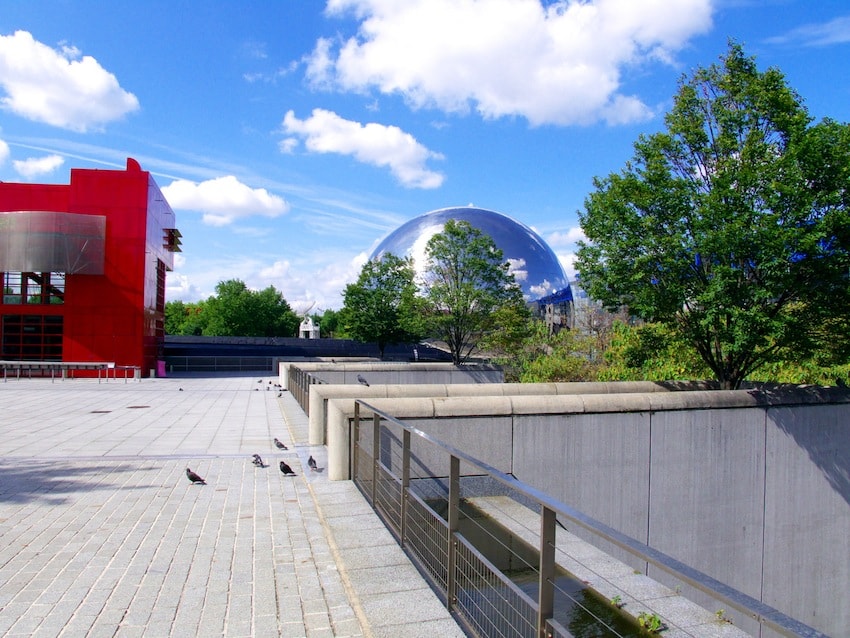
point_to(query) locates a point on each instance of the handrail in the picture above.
(756, 609)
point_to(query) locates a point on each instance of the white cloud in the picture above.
(4, 152)
(35, 166)
(836, 31)
(223, 200)
(517, 268)
(288, 145)
(568, 263)
(569, 238)
(555, 64)
(375, 144)
(59, 87)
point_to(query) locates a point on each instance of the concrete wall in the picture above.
(752, 488)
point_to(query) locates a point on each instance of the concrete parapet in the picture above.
(321, 393)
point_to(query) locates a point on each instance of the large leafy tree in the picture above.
(237, 311)
(381, 306)
(468, 288)
(731, 225)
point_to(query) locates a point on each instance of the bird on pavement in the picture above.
(280, 445)
(362, 381)
(194, 478)
(312, 463)
(258, 461)
(287, 471)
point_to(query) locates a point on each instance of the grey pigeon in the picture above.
(362, 381)
(258, 461)
(194, 478)
(312, 463)
(287, 471)
(280, 445)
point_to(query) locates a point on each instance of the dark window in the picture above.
(32, 337)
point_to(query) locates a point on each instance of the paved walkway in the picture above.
(101, 533)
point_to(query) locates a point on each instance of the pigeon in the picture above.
(312, 463)
(258, 461)
(194, 478)
(279, 445)
(180, 389)
(362, 381)
(287, 471)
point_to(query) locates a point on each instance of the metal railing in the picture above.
(65, 369)
(298, 383)
(414, 482)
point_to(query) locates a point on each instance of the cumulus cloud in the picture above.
(553, 63)
(375, 144)
(35, 166)
(4, 152)
(569, 238)
(59, 87)
(223, 200)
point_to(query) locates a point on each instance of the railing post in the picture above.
(376, 456)
(454, 518)
(405, 482)
(352, 444)
(546, 589)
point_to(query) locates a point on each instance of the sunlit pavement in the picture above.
(102, 534)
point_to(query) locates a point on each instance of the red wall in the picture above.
(114, 316)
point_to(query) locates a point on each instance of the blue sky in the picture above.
(291, 136)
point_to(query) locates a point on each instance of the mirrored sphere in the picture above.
(535, 267)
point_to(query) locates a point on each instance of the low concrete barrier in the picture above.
(320, 394)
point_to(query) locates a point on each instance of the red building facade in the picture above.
(83, 268)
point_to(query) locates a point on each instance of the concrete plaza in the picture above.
(101, 533)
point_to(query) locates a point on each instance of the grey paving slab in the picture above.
(102, 534)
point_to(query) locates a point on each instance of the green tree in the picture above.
(236, 311)
(731, 225)
(379, 307)
(184, 318)
(528, 353)
(328, 322)
(467, 288)
(650, 352)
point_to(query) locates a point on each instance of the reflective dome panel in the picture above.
(535, 267)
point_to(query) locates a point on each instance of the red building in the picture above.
(83, 268)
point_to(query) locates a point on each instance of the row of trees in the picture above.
(234, 311)
(466, 297)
